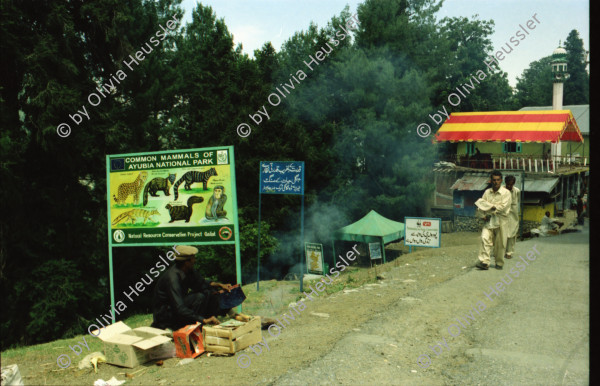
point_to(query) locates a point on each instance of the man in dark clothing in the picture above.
(580, 219)
(173, 306)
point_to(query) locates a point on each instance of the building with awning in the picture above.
(529, 140)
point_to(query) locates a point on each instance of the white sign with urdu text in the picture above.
(422, 232)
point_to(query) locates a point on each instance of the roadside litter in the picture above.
(92, 360)
(11, 376)
(111, 382)
(128, 347)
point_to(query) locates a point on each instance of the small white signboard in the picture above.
(422, 232)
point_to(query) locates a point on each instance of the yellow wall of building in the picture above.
(484, 147)
(527, 149)
(576, 148)
(535, 149)
(536, 212)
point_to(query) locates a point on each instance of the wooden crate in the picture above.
(229, 340)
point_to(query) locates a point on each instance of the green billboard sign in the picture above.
(172, 197)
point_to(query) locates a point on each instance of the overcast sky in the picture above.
(254, 22)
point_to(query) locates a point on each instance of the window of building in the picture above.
(511, 147)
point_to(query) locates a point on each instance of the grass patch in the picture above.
(130, 206)
(148, 224)
(271, 300)
(199, 190)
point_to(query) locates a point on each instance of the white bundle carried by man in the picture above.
(484, 209)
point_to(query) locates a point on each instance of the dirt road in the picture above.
(534, 331)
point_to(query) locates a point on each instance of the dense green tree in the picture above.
(405, 26)
(206, 83)
(462, 48)
(376, 104)
(577, 87)
(54, 213)
(534, 87)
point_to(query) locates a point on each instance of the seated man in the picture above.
(174, 307)
(548, 225)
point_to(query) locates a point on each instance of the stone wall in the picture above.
(472, 224)
(529, 225)
(467, 224)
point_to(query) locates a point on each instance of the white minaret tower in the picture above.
(559, 72)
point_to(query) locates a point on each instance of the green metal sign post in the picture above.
(166, 198)
(282, 177)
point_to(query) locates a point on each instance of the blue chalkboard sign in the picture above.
(282, 177)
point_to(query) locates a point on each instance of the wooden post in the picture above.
(302, 257)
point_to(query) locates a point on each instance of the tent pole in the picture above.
(333, 247)
(383, 250)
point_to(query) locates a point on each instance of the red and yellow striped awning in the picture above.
(511, 126)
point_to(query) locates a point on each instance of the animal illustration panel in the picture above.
(214, 207)
(137, 201)
(131, 188)
(158, 184)
(183, 212)
(135, 215)
(193, 177)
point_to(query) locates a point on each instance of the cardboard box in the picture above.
(229, 340)
(130, 348)
(188, 341)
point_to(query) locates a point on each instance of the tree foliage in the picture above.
(577, 87)
(352, 121)
(534, 87)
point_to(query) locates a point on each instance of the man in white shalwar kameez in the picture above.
(495, 204)
(513, 215)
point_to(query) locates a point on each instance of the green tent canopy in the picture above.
(373, 228)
